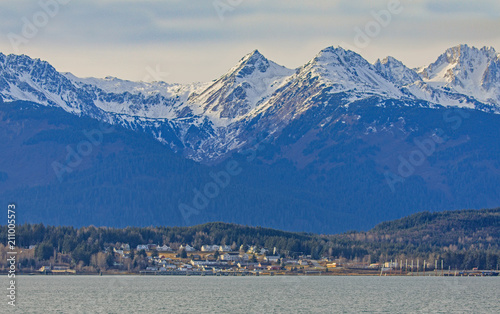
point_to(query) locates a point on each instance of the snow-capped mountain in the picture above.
(461, 77)
(341, 142)
(468, 71)
(344, 71)
(206, 121)
(23, 78)
(155, 100)
(239, 91)
(332, 71)
(396, 72)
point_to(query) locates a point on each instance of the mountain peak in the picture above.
(467, 70)
(334, 51)
(340, 57)
(237, 92)
(464, 53)
(251, 62)
(345, 70)
(254, 54)
(396, 72)
(389, 60)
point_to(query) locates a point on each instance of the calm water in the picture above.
(134, 294)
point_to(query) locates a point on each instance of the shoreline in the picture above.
(271, 274)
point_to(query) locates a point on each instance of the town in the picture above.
(205, 260)
(225, 260)
(230, 249)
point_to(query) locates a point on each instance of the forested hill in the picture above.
(463, 239)
(450, 233)
(445, 228)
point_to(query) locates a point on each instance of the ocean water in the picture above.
(287, 294)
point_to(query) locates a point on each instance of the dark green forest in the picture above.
(333, 183)
(463, 239)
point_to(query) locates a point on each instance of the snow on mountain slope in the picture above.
(468, 71)
(240, 90)
(156, 100)
(23, 78)
(257, 96)
(115, 85)
(331, 71)
(345, 70)
(396, 72)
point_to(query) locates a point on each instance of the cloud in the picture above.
(191, 39)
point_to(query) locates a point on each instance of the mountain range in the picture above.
(336, 144)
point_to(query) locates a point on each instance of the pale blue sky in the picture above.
(192, 41)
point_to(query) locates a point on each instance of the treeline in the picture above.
(462, 239)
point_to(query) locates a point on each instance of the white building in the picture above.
(272, 259)
(209, 248)
(164, 248)
(225, 248)
(187, 248)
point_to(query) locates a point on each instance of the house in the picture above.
(272, 259)
(164, 248)
(185, 267)
(248, 265)
(187, 248)
(303, 262)
(273, 267)
(125, 247)
(230, 257)
(60, 268)
(225, 248)
(201, 263)
(208, 268)
(166, 267)
(332, 265)
(244, 257)
(234, 257)
(209, 248)
(141, 247)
